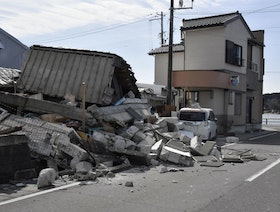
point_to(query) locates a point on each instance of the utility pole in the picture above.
(161, 32)
(161, 24)
(170, 55)
(170, 50)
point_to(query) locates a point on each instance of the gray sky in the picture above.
(129, 29)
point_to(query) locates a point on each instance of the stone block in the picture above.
(176, 156)
(64, 145)
(83, 167)
(46, 177)
(138, 137)
(130, 132)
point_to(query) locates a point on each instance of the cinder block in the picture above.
(71, 149)
(131, 131)
(138, 137)
(176, 156)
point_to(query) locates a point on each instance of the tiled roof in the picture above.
(165, 49)
(8, 75)
(217, 20)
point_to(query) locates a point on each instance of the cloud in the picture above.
(48, 16)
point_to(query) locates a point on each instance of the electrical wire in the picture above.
(93, 31)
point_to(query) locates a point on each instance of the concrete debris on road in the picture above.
(122, 136)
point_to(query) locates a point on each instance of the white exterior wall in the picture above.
(219, 101)
(205, 49)
(161, 66)
(237, 33)
(256, 55)
(213, 99)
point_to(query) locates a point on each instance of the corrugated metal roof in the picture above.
(56, 72)
(164, 49)
(209, 21)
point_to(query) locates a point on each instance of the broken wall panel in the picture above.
(14, 156)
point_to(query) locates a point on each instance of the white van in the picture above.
(200, 121)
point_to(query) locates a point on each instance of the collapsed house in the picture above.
(57, 72)
(49, 109)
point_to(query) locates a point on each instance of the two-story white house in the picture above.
(219, 64)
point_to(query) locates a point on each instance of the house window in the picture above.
(233, 53)
(238, 104)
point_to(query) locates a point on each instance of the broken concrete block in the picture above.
(134, 157)
(139, 136)
(130, 144)
(119, 142)
(64, 145)
(215, 152)
(142, 147)
(207, 158)
(146, 144)
(130, 132)
(46, 178)
(163, 125)
(156, 148)
(139, 124)
(74, 162)
(85, 176)
(232, 159)
(100, 137)
(41, 143)
(197, 148)
(207, 147)
(176, 144)
(134, 114)
(176, 156)
(83, 167)
(154, 162)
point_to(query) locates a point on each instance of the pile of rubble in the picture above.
(123, 135)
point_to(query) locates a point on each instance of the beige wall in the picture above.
(204, 49)
(161, 66)
(207, 47)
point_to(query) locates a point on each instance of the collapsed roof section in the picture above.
(57, 72)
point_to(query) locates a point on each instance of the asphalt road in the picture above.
(250, 186)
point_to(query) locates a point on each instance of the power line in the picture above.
(264, 8)
(92, 31)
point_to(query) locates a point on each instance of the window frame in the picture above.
(234, 53)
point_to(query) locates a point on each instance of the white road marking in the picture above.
(262, 136)
(39, 193)
(259, 173)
